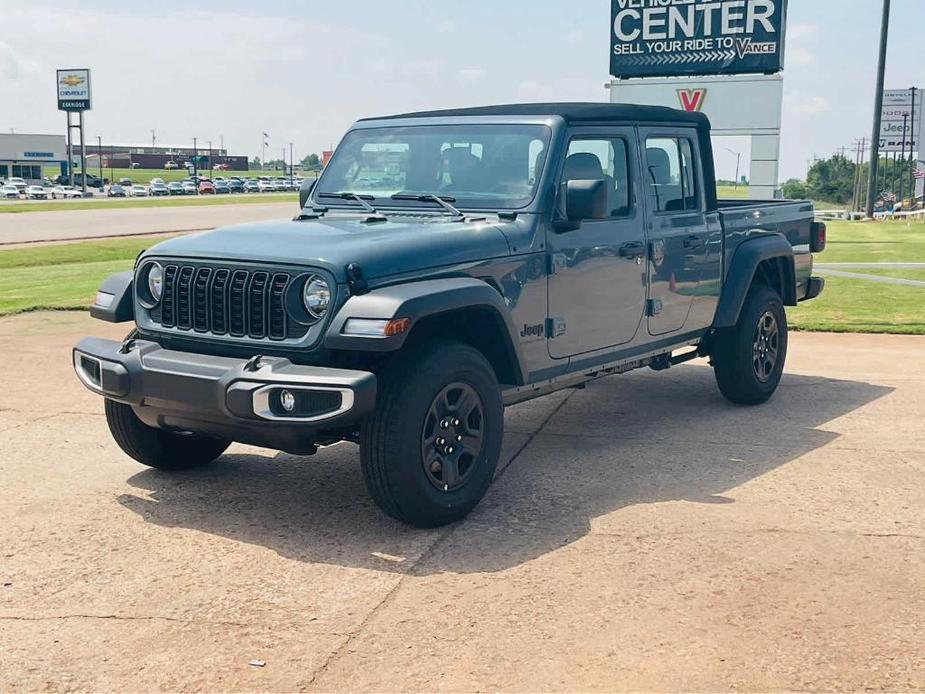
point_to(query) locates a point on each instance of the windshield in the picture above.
(478, 166)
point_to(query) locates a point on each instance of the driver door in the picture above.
(596, 281)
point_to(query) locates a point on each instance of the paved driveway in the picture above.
(641, 534)
(118, 221)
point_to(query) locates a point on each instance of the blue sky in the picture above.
(303, 71)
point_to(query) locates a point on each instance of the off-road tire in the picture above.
(164, 450)
(394, 436)
(737, 351)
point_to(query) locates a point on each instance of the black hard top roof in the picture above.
(571, 112)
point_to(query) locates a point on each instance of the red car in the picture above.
(206, 188)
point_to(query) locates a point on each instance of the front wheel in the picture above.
(430, 449)
(157, 448)
(749, 358)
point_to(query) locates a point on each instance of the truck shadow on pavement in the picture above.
(641, 438)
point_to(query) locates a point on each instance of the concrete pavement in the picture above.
(63, 225)
(641, 534)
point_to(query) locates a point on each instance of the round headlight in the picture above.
(317, 295)
(155, 281)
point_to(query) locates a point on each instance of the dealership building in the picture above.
(30, 156)
(156, 157)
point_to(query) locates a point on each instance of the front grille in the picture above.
(223, 301)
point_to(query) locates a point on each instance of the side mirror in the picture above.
(305, 191)
(585, 199)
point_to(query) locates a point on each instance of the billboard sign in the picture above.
(898, 113)
(74, 90)
(670, 38)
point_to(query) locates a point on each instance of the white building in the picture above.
(25, 156)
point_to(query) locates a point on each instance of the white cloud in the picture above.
(805, 106)
(801, 39)
(10, 67)
(471, 74)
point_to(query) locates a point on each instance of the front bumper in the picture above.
(235, 399)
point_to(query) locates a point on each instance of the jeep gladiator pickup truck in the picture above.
(445, 265)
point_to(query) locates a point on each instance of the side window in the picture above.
(607, 159)
(670, 174)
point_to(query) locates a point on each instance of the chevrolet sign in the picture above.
(74, 90)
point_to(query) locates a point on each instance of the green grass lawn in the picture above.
(11, 207)
(859, 306)
(62, 276)
(874, 242)
(67, 276)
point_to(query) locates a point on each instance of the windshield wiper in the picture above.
(353, 196)
(443, 201)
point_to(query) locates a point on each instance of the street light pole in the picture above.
(738, 157)
(99, 153)
(195, 168)
(878, 110)
(291, 164)
(210, 155)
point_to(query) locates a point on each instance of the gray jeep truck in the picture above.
(445, 265)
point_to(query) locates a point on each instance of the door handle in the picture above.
(633, 250)
(693, 241)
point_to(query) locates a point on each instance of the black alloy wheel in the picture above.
(452, 438)
(765, 346)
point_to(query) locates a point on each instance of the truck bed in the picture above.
(744, 219)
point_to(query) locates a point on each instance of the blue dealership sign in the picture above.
(668, 38)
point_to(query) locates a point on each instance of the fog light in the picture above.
(287, 400)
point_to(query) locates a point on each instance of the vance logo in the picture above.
(692, 99)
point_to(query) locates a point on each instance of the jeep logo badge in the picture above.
(533, 330)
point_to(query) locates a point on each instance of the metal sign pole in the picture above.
(70, 151)
(878, 111)
(83, 155)
(913, 135)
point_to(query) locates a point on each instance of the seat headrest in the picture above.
(583, 166)
(659, 166)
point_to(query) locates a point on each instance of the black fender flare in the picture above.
(416, 301)
(745, 261)
(113, 302)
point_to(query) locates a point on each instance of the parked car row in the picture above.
(18, 188)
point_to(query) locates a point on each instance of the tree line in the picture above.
(837, 180)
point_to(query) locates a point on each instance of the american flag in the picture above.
(889, 197)
(919, 172)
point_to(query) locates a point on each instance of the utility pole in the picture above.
(99, 153)
(153, 141)
(878, 109)
(291, 164)
(195, 168)
(210, 155)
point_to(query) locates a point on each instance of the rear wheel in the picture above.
(157, 448)
(749, 358)
(430, 449)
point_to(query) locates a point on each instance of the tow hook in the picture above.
(253, 364)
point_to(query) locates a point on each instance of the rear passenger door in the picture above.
(677, 225)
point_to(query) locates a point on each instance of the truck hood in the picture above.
(333, 242)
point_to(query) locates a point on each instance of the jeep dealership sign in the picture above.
(667, 38)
